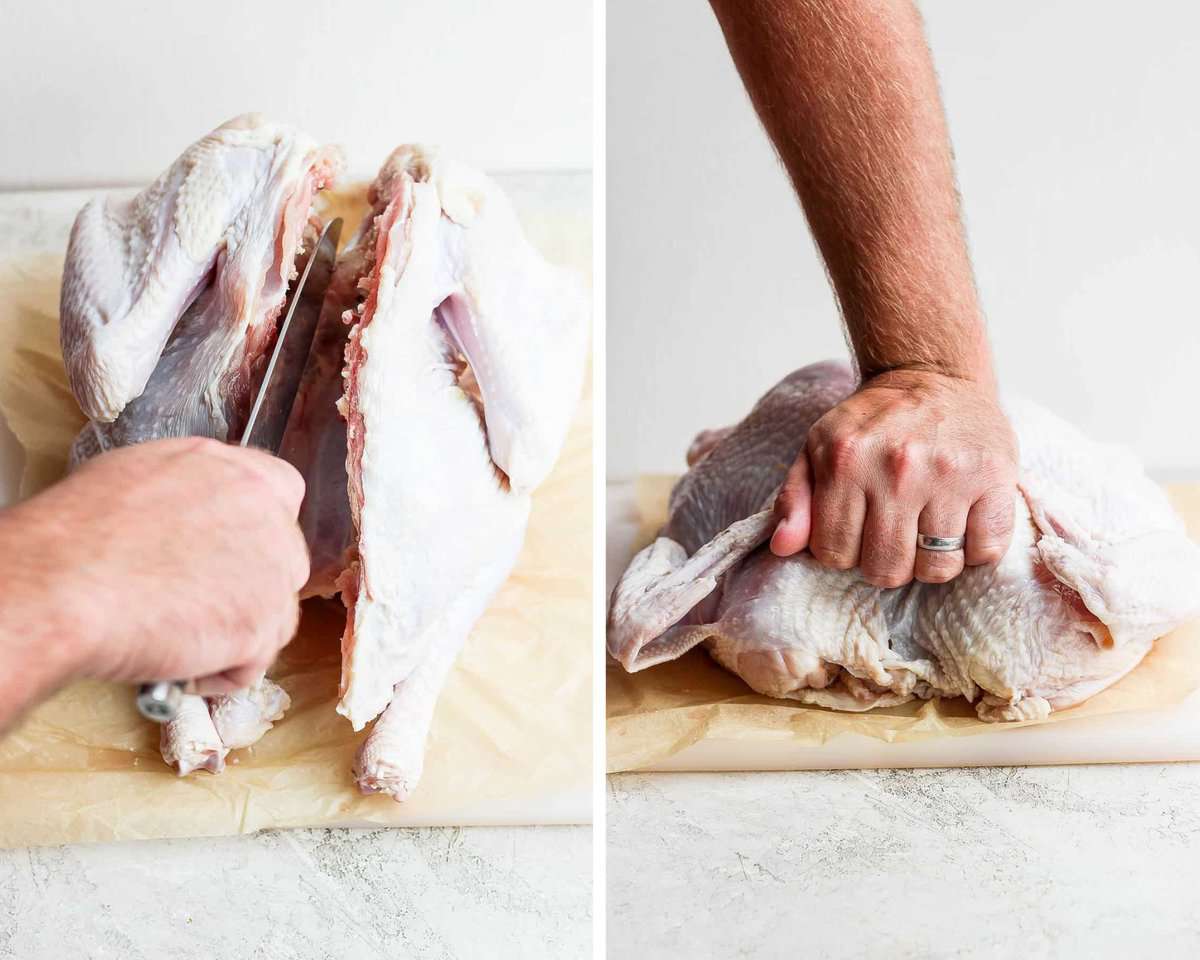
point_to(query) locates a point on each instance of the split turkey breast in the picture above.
(464, 365)
(1098, 568)
(170, 302)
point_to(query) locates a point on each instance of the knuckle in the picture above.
(882, 564)
(904, 464)
(989, 463)
(245, 473)
(946, 464)
(989, 551)
(997, 463)
(292, 479)
(821, 432)
(198, 445)
(887, 580)
(997, 521)
(836, 452)
(835, 534)
(844, 453)
(939, 571)
(905, 456)
(833, 557)
(244, 618)
(817, 448)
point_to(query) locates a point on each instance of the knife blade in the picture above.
(273, 402)
(277, 392)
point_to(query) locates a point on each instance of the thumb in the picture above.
(793, 506)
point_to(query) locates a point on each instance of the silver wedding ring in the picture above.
(940, 544)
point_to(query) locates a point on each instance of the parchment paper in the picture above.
(661, 711)
(512, 729)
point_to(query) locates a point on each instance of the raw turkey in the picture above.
(1098, 568)
(447, 364)
(170, 299)
(169, 308)
(463, 368)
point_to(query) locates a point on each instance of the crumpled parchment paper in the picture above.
(512, 733)
(661, 711)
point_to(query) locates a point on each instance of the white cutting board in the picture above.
(1143, 737)
(556, 211)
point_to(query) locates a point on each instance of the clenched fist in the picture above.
(910, 452)
(173, 559)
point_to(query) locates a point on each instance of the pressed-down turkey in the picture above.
(448, 362)
(1098, 568)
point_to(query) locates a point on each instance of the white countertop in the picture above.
(1092, 861)
(305, 894)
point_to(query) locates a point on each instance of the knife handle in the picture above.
(160, 701)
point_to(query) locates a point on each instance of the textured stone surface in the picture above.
(1095, 861)
(429, 893)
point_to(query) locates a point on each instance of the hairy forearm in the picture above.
(847, 92)
(42, 641)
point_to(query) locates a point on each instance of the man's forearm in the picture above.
(847, 92)
(42, 638)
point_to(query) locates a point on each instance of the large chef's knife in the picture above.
(273, 403)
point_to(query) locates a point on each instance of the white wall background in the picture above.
(1077, 131)
(110, 92)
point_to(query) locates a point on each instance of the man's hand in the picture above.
(910, 452)
(172, 559)
(848, 94)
